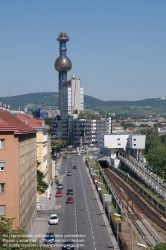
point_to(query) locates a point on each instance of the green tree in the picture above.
(127, 124)
(155, 151)
(48, 121)
(89, 115)
(75, 111)
(41, 185)
(17, 237)
(160, 246)
(57, 146)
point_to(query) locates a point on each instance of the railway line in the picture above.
(135, 207)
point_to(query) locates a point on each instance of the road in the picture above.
(82, 220)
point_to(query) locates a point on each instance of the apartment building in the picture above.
(18, 170)
(43, 144)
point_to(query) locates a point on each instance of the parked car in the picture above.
(74, 167)
(60, 185)
(69, 200)
(68, 173)
(50, 238)
(53, 219)
(70, 191)
(68, 244)
(58, 193)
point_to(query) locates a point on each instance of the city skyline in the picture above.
(116, 48)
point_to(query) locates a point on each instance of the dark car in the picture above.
(49, 238)
(68, 244)
(68, 173)
(74, 167)
(69, 200)
(70, 191)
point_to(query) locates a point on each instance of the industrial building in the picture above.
(130, 144)
(74, 131)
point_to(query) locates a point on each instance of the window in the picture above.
(2, 143)
(134, 144)
(119, 143)
(134, 139)
(2, 166)
(2, 210)
(118, 139)
(2, 188)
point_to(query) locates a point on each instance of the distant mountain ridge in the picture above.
(49, 100)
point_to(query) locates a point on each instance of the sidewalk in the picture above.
(40, 225)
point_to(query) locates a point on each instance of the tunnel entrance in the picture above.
(103, 163)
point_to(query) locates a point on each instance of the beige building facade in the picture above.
(43, 150)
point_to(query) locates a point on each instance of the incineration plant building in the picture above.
(71, 102)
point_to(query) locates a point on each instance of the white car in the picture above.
(53, 219)
(60, 186)
(78, 153)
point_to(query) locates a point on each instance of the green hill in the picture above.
(49, 100)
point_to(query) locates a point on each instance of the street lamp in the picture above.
(163, 175)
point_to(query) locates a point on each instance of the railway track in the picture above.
(127, 196)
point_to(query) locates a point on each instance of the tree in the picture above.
(41, 185)
(155, 151)
(48, 121)
(11, 239)
(75, 111)
(89, 115)
(160, 246)
(125, 125)
(57, 146)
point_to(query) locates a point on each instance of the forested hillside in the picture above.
(49, 100)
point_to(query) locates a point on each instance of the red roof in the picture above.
(31, 121)
(9, 122)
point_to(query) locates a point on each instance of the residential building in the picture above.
(18, 170)
(71, 97)
(43, 144)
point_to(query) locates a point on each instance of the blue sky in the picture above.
(117, 48)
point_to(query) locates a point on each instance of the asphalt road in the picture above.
(82, 220)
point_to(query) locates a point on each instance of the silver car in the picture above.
(60, 186)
